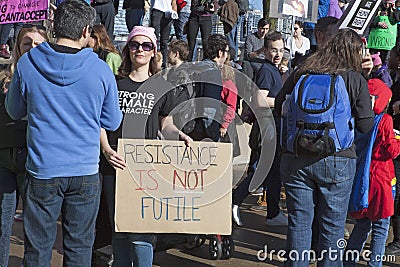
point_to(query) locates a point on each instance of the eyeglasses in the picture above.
(227, 50)
(37, 26)
(275, 51)
(295, 28)
(146, 46)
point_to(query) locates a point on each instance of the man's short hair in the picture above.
(181, 47)
(272, 37)
(262, 22)
(215, 43)
(323, 23)
(71, 17)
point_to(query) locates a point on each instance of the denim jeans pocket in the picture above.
(90, 186)
(42, 189)
(339, 169)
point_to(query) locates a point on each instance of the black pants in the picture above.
(205, 25)
(272, 181)
(105, 15)
(162, 26)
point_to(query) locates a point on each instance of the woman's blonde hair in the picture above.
(17, 53)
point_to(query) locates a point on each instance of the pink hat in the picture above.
(144, 31)
(376, 59)
(389, 1)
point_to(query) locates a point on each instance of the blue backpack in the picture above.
(316, 118)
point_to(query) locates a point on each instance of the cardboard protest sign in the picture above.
(171, 188)
(358, 15)
(380, 38)
(23, 11)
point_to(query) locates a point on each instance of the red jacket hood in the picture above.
(382, 94)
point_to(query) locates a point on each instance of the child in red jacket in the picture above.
(380, 197)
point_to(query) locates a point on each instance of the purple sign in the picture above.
(12, 11)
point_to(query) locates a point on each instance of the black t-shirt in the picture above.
(269, 78)
(357, 88)
(140, 110)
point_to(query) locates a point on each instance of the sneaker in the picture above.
(19, 217)
(258, 192)
(111, 261)
(258, 208)
(236, 215)
(261, 203)
(393, 248)
(4, 52)
(279, 220)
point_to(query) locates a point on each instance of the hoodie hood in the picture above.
(61, 68)
(382, 94)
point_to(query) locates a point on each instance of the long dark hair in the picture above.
(126, 66)
(342, 53)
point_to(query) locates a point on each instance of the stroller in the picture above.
(219, 246)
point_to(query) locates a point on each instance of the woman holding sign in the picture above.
(138, 65)
(383, 30)
(13, 141)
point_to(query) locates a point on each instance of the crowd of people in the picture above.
(59, 142)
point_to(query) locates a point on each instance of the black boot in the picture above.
(393, 248)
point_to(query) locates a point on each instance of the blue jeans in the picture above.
(8, 187)
(133, 17)
(127, 248)
(324, 184)
(77, 199)
(360, 234)
(232, 36)
(8, 182)
(179, 24)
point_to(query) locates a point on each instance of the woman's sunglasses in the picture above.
(146, 46)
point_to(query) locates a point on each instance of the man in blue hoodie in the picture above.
(68, 94)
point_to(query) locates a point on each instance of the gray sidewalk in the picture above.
(250, 239)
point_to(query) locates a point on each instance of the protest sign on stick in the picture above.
(381, 38)
(169, 187)
(358, 15)
(12, 11)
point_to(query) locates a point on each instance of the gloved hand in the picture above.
(174, 15)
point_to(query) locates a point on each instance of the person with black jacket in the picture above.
(324, 183)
